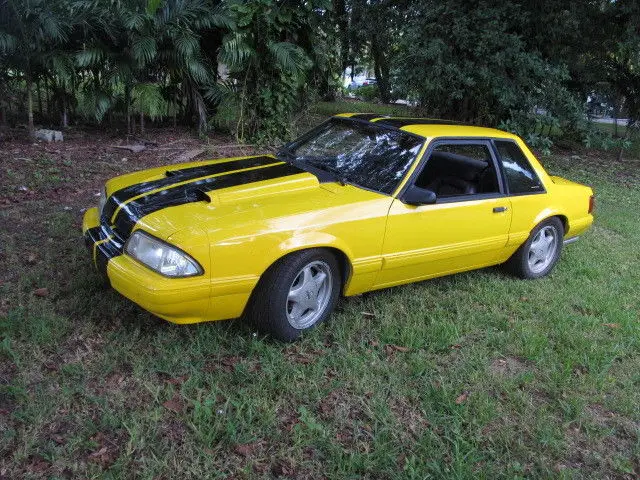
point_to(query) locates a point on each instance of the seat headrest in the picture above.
(464, 167)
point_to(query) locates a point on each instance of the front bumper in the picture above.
(178, 300)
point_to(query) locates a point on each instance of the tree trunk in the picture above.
(175, 110)
(127, 100)
(342, 19)
(142, 123)
(47, 96)
(39, 99)
(30, 105)
(615, 117)
(65, 115)
(381, 69)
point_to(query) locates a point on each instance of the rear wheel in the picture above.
(540, 253)
(297, 293)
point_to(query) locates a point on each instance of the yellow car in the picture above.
(359, 203)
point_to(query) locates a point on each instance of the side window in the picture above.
(519, 173)
(456, 169)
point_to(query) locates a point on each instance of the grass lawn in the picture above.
(477, 375)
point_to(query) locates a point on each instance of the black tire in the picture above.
(270, 308)
(524, 262)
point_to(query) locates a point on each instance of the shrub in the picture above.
(368, 92)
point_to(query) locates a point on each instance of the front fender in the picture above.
(314, 240)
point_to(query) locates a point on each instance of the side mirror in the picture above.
(418, 196)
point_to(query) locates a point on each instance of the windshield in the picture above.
(366, 155)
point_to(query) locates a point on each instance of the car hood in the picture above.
(220, 196)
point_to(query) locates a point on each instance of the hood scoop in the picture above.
(281, 186)
(198, 195)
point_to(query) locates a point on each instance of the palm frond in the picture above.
(289, 57)
(61, 65)
(199, 72)
(144, 49)
(89, 57)
(235, 50)
(53, 29)
(186, 45)
(120, 73)
(93, 103)
(222, 20)
(148, 99)
(134, 21)
(8, 42)
(220, 91)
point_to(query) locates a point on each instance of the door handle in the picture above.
(499, 209)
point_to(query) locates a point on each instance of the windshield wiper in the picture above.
(340, 177)
(285, 152)
(288, 156)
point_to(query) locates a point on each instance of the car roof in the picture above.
(430, 127)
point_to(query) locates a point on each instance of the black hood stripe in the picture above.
(173, 177)
(106, 245)
(108, 241)
(134, 210)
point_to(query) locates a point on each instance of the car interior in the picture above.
(456, 170)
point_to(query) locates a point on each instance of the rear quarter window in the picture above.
(520, 176)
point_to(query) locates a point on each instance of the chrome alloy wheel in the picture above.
(543, 248)
(309, 294)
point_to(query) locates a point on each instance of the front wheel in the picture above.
(539, 254)
(297, 293)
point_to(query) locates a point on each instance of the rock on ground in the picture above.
(49, 135)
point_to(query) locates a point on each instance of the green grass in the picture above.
(477, 375)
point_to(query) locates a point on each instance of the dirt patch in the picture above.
(173, 431)
(609, 419)
(411, 419)
(339, 404)
(510, 366)
(79, 348)
(107, 448)
(72, 173)
(605, 451)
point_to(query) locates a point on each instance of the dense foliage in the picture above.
(248, 66)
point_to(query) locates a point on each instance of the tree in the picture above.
(155, 42)
(264, 57)
(31, 34)
(467, 61)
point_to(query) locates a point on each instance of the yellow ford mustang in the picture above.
(361, 202)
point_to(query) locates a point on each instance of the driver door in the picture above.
(466, 228)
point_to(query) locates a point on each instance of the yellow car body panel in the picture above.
(252, 216)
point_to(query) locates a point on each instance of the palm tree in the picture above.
(266, 62)
(31, 33)
(143, 45)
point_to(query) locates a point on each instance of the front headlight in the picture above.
(160, 256)
(103, 200)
